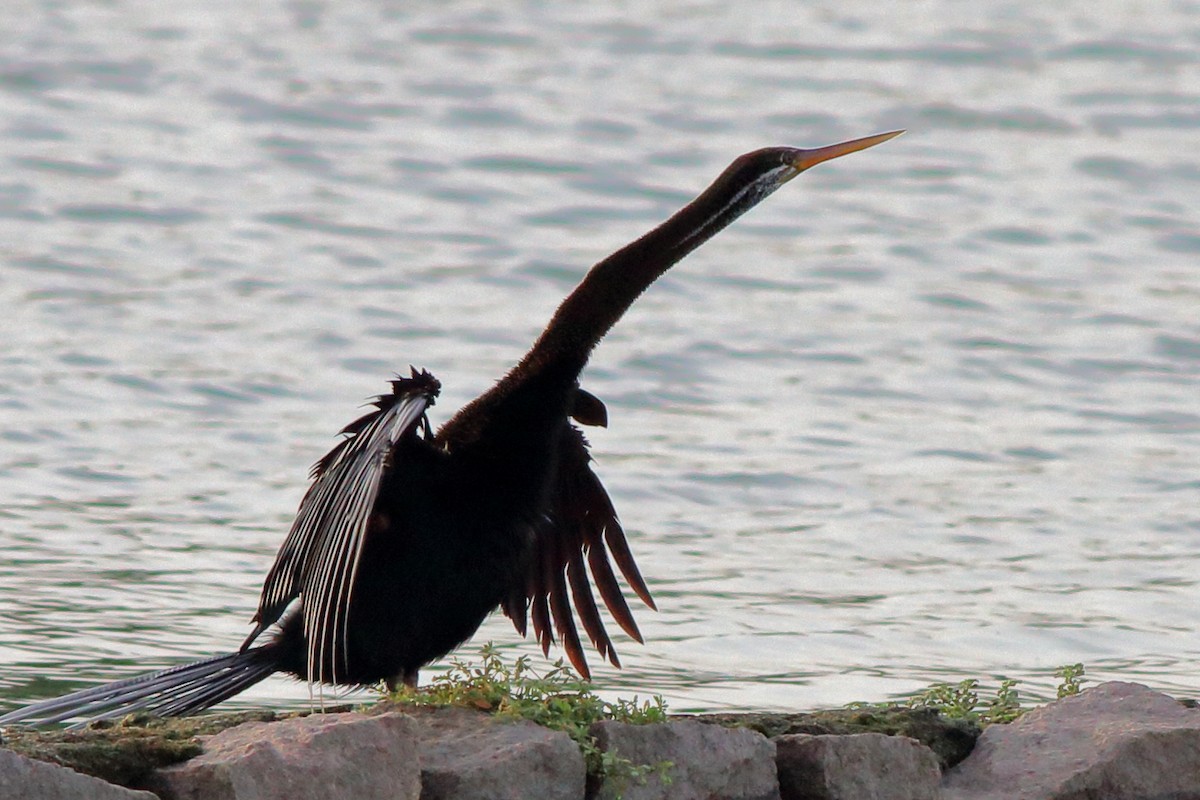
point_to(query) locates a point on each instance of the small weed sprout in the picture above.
(1071, 676)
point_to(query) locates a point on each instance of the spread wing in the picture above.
(318, 561)
(582, 526)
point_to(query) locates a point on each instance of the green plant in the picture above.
(1072, 677)
(557, 699)
(1005, 706)
(963, 700)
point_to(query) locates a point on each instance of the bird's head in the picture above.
(752, 177)
(763, 171)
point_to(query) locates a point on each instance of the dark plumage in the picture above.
(407, 539)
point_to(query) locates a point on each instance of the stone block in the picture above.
(467, 755)
(1116, 741)
(863, 766)
(318, 757)
(706, 761)
(24, 778)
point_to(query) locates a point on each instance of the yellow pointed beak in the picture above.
(810, 158)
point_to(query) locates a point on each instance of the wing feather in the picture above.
(319, 560)
(610, 592)
(581, 526)
(614, 537)
(585, 606)
(539, 615)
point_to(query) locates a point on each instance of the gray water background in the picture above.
(932, 412)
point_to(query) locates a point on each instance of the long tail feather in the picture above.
(173, 692)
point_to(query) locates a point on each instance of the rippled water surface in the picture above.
(932, 412)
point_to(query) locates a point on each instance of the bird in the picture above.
(407, 539)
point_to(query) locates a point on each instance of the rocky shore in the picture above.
(1116, 741)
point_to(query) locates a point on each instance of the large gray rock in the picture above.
(23, 778)
(467, 755)
(864, 766)
(317, 757)
(1117, 741)
(706, 761)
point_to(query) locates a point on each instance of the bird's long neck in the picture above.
(539, 389)
(611, 286)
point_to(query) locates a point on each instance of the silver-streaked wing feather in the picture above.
(319, 560)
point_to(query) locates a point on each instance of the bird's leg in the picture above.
(407, 678)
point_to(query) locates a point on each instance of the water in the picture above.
(930, 413)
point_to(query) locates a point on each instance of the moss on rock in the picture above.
(126, 751)
(951, 739)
